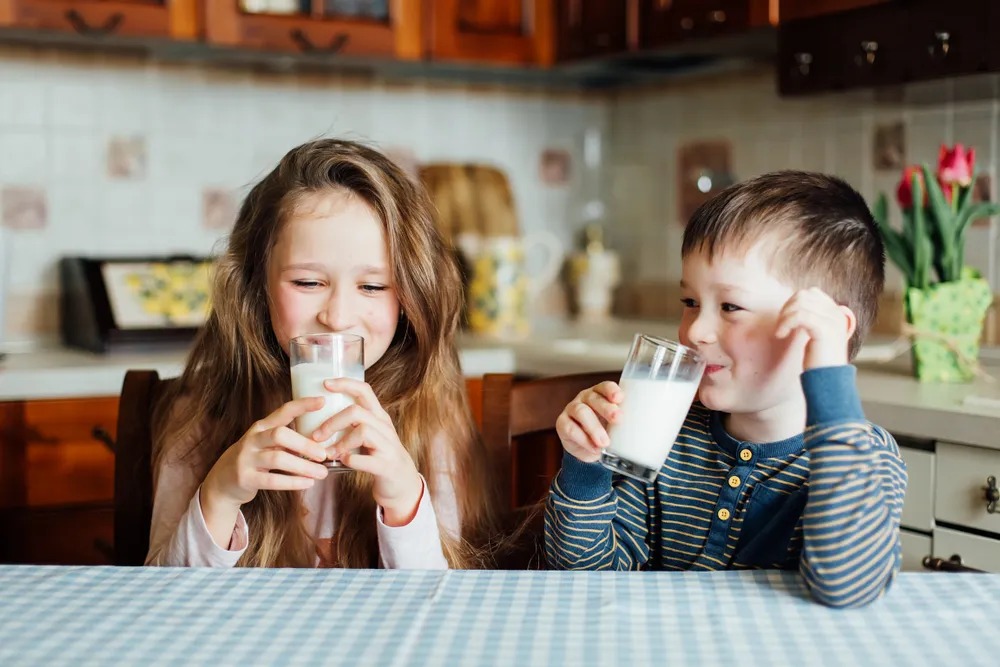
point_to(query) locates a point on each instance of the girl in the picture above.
(336, 238)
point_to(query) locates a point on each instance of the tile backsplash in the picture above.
(115, 155)
(651, 130)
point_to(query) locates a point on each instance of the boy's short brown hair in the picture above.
(819, 229)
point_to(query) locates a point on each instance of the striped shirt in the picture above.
(827, 502)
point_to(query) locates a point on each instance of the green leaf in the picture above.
(943, 220)
(923, 250)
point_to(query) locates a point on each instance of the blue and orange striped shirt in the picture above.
(827, 502)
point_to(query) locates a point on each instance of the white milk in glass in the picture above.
(651, 417)
(307, 380)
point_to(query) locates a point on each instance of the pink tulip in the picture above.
(955, 166)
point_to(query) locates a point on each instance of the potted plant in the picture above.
(945, 301)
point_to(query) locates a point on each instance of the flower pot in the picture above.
(946, 322)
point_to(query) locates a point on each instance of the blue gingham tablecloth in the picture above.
(164, 616)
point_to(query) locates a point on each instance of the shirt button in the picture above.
(724, 514)
(746, 455)
(734, 481)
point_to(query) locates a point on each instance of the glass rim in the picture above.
(675, 346)
(317, 338)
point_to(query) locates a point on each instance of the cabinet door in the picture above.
(790, 10)
(872, 46)
(947, 39)
(918, 504)
(65, 462)
(590, 28)
(176, 19)
(520, 32)
(665, 22)
(915, 547)
(981, 553)
(810, 58)
(396, 31)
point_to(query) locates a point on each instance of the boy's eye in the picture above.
(730, 308)
(689, 303)
(309, 284)
(372, 289)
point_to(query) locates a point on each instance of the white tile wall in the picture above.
(832, 133)
(208, 128)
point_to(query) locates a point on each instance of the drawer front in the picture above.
(960, 491)
(918, 504)
(981, 553)
(915, 547)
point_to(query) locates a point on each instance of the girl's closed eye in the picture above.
(371, 288)
(689, 303)
(307, 284)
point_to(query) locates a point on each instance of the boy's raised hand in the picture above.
(826, 325)
(583, 424)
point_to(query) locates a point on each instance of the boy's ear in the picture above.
(852, 320)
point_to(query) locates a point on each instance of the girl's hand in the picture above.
(270, 455)
(365, 425)
(583, 425)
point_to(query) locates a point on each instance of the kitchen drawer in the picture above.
(918, 504)
(981, 553)
(915, 547)
(960, 491)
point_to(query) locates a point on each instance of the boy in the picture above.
(776, 466)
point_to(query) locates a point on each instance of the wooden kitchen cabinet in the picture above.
(790, 10)
(50, 455)
(173, 19)
(398, 35)
(56, 480)
(591, 28)
(884, 44)
(513, 32)
(664, 22)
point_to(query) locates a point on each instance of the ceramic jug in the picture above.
(501, 287)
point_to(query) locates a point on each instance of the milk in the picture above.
(651, 417)
(307, 380)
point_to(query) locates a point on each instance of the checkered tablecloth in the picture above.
(159, 616)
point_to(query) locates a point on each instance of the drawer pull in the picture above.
(953, 564)
(992, 494)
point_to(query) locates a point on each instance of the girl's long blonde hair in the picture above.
(237, 372)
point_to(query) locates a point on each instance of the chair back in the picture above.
(519, 431)
(134, 465)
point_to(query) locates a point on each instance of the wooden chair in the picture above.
(134, 465)
(518, 429)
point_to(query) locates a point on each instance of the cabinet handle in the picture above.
(80, 24)
(302, 40)
(992, 494)
(101, 434)
(953, 564)
(941, 46)
(803, 61)
(717, 16)
(870, 50)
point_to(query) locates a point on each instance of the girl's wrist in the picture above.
(403, 511)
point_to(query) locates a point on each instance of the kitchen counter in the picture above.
(967, 413)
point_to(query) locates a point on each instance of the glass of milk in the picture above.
(315, 358)
(659, 383)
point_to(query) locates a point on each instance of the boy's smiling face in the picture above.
(731, 309)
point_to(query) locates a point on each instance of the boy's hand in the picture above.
(583, 424)
(826, 325)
